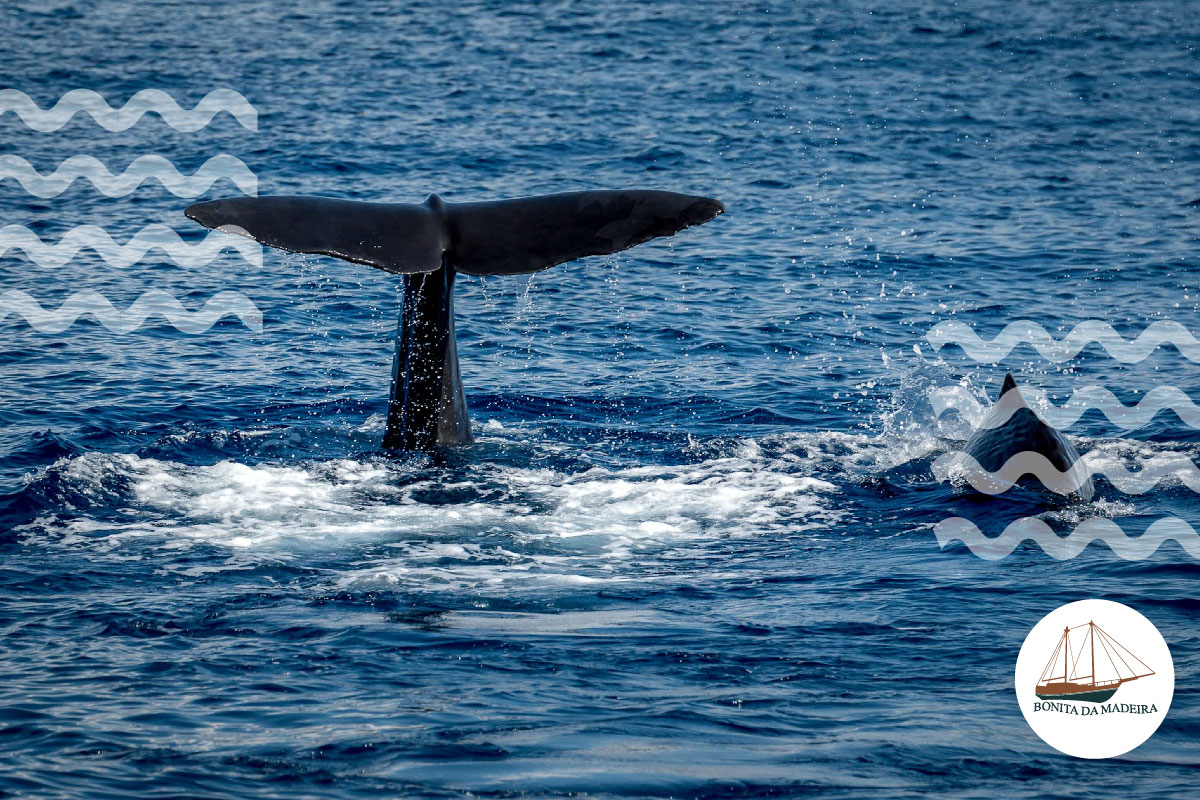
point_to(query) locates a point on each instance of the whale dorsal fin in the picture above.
(1011, 428)
(501, 237)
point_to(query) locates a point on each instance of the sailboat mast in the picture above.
(1092, 633)
(1066, 655)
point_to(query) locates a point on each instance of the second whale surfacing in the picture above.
(1011, 429)
(428, 244)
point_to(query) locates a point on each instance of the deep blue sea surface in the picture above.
(691, 553)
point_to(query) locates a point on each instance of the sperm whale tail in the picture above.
(428, 244)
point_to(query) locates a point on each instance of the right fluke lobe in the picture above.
(506, 237)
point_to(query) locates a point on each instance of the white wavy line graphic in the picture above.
(92, 237)
(1158, 399)
(1063, 548)
(142, 169)
(1051, 349)
(120, 119)
(958, 465)
(152, 303)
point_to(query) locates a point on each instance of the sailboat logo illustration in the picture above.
(1091, 671)
(1074, 700)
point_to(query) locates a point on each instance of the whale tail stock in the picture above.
(428, 243)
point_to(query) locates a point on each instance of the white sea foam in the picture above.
(383, 525)
(403, 526)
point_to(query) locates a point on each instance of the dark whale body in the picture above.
(428, 244)
(993, 445)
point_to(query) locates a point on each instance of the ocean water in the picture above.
(691, 553)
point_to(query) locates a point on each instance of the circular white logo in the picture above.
(1094, 679)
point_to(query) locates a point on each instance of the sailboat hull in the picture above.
(1079, 693)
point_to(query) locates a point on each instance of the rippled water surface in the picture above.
(691, 553)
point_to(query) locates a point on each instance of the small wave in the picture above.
(1051, 349)
(1158, 399)
(152, 303)
(959, 465)
(142, 169)
(93, 237)
(1040, 533)
(120, 119)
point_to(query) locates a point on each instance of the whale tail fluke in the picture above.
(502, 237)
(428, 243)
